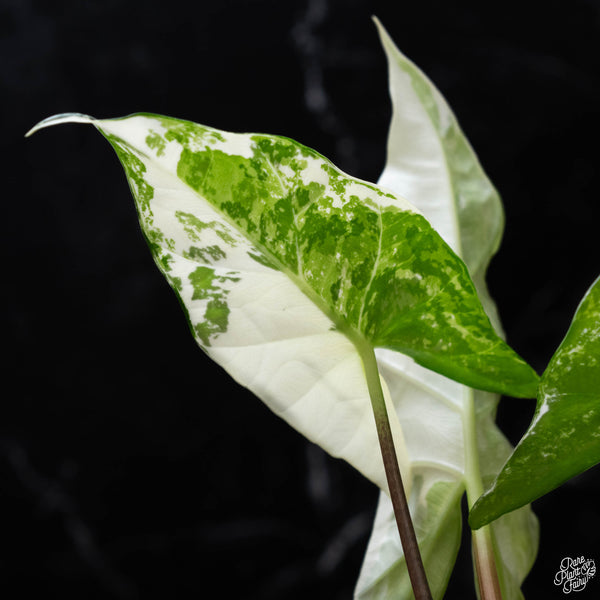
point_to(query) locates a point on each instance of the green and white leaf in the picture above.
(445, 424)
(290, 271)
(563, 438)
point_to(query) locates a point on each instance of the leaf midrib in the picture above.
(374, 270)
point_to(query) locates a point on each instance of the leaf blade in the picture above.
(562, 439)
(372, 233)
(430, 158)
(266, 312)
(301, 212)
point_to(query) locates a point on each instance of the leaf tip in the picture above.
(383, 34)
(61, 118)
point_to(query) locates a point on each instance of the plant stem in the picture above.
(485, 564)
(414, 563)
(483, 547)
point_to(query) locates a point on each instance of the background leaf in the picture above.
(431, 162)
(563, 438)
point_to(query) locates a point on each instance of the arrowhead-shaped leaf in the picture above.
(563, 438)
(430, 161)
(288, 269)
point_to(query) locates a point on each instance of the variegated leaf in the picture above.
(449, 428)
(563, 439)
(289, 269)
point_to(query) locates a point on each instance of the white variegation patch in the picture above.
(138, 127)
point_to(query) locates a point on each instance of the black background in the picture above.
(132, 467)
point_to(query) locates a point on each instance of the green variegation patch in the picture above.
(194, 228)
(208, 285)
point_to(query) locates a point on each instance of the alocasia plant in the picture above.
(318, 291)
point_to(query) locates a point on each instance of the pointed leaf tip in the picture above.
(61, 118)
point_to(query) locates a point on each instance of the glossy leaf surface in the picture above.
(430, 162)
(563, 438)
